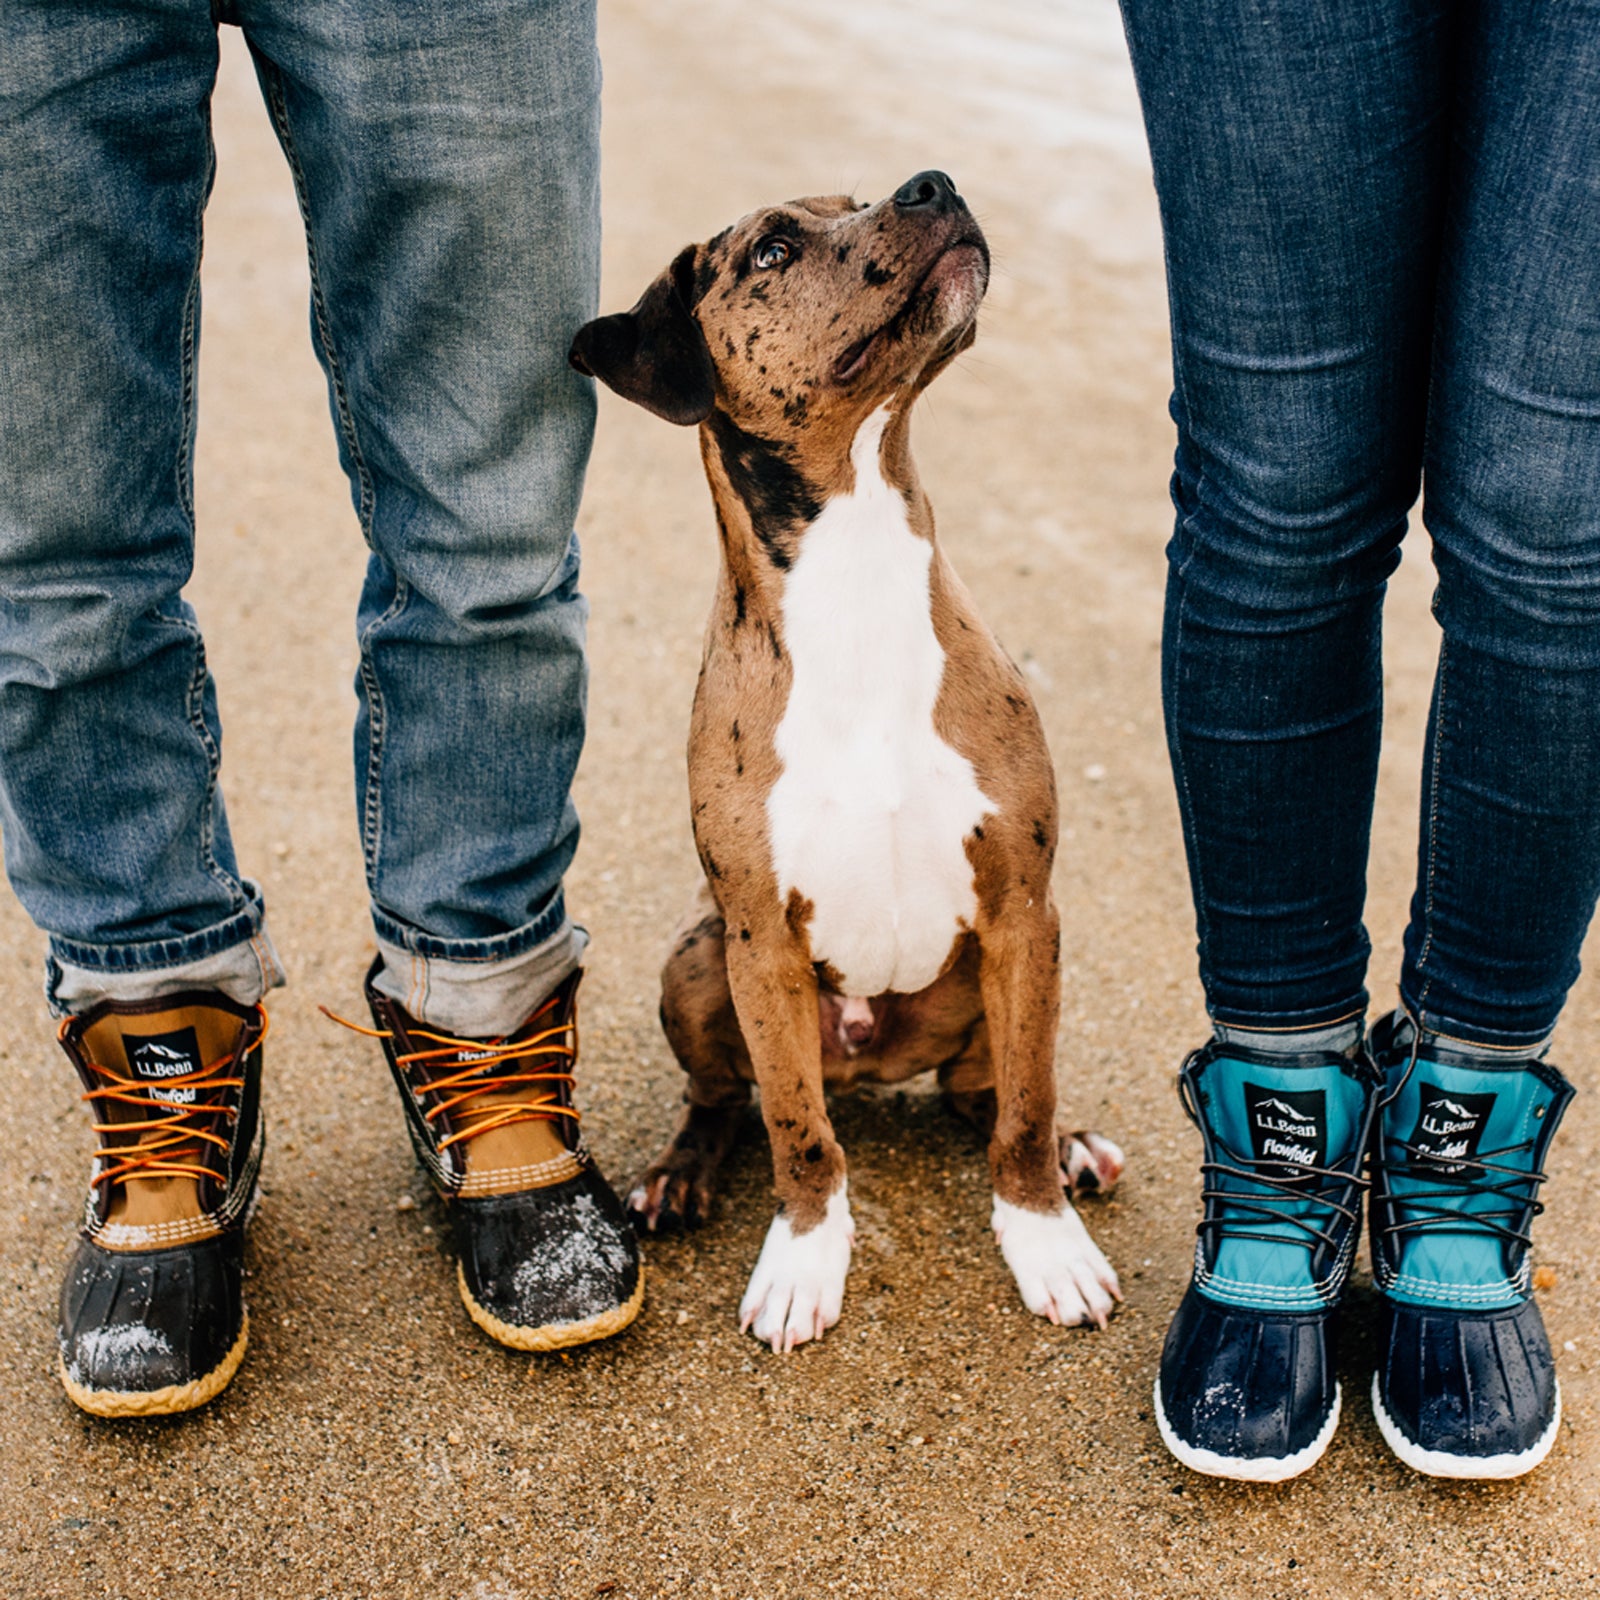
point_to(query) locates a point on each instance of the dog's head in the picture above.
(800, 319)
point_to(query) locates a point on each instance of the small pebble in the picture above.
(405, 1203)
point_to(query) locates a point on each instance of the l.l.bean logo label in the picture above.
(1287, 1125)
(1449, 1129)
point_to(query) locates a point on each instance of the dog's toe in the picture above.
(1090, 1163)
(796, 1292)
(1060, 1271)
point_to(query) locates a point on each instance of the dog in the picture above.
(873, 802)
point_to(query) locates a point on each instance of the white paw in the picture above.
(1058, 1267)
(797, 1289)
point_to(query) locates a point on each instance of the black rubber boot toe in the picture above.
(150, 1332)
(547, 1268)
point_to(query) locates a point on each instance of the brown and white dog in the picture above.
(873, 802)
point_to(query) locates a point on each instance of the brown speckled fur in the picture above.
(742, 999)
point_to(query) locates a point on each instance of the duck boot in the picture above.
(1247, 1387)
(152, 1309)
(1467, 1385)
(546, 1257)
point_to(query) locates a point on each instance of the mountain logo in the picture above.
(158, 1056)
(1287, 1126)
(1449, 1130)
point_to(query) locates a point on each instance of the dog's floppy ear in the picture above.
(655, 354)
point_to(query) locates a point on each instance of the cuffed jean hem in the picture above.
(1446, 1035)
(78, 977)
(1307, 1021)
(478, 988)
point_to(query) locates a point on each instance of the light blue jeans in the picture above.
(447, 159)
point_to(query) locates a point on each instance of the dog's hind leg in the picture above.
(679, 1188)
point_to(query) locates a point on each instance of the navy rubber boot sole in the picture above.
(1246, 1395)
(1468, 1395)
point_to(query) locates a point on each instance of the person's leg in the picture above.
(1509, 860)
(1299, 156)
(116, 839)
(447, 161)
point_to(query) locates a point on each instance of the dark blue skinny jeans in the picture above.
(1382, 223)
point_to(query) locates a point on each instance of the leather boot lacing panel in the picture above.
(169, 1142)
(444, 1072)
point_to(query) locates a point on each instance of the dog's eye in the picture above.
(773, 252)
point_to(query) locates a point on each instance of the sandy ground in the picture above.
(940, 1441)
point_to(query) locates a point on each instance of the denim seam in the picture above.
(279, 108)
(195, 711)
(377, 726)
(371, 818)
(1433, 825)
(1179, 767)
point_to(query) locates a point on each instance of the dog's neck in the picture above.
(768, 495)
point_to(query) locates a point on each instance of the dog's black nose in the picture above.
(928, 191)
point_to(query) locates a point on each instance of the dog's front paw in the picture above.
(1058, 1267)
(797, 1289)
(1090, 1163)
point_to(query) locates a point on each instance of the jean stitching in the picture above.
(195, 712)
(279, 109)
(1433, 826)
(377, 725)
(371, 824)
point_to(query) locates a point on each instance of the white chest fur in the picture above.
(869, 817)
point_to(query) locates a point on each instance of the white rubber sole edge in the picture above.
(1441, 1464)
(1248, 1469)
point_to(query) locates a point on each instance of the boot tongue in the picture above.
(1451, 1115)
(153, 1049)
(1279, 1121)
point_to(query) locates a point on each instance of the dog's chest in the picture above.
(869, 817)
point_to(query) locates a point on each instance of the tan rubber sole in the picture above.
(166, 1402)
(559, 1335)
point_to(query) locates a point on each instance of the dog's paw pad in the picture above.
(1059, 1269)
(797, 1289)
(1090, 1163)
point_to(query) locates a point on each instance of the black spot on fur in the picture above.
(750, 340)
(728, 345)
(794, 411)
(758, 291)
(709, 862)
(1015, 702)
(814, 1152)
(705, 269)
(776, 392)
(733, 732)
(1040, 837)
(844, 252)
(977, 831)
(764, 477)
(738, 605)
(744, 936)
(875, 275)
(772, 637)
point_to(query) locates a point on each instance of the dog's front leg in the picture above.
(797, 1288)
(1059, 1270)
